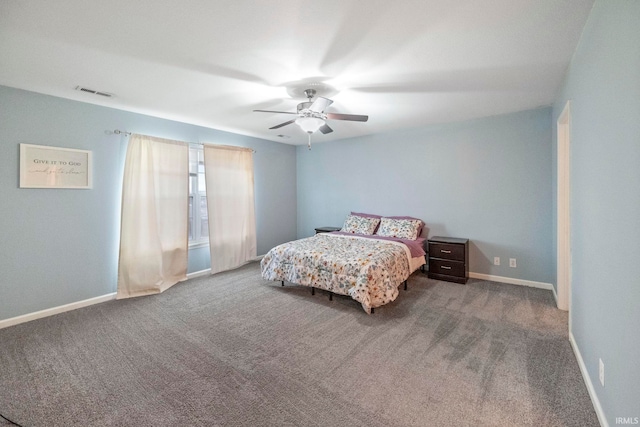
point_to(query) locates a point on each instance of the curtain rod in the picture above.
(125, 133)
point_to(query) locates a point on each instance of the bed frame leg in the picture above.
(282, 281)
(372, 309)
(405, 285)
(330, 296)
(313, 290)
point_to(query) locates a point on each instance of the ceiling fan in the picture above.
(311, 115)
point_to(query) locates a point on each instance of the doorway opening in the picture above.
(563, 213)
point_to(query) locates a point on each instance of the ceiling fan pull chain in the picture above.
(309, 143)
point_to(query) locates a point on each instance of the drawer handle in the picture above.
(445, 267)
(445, 252)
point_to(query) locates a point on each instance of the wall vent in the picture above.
(95, 92)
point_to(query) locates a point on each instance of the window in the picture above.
(198, 216)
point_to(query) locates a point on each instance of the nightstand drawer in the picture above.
(449, 268)
(447, 251)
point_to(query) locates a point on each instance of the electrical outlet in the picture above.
(496, 260)
(601, 371)
(512, 262)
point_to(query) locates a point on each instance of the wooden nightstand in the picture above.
(327, 229)
(449, 259)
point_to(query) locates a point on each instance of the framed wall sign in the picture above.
(43, 166)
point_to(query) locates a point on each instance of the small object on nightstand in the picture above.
(327, 229)
(449, 259)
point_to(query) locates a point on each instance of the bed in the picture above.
(366, 263)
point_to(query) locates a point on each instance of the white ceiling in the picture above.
(405, 63)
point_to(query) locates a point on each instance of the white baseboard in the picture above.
(511, 280)
(200, 273)
(55, 310)
(84, 303)
(207, 272)
(587, 381)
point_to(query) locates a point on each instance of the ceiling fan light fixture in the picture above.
(309, 124)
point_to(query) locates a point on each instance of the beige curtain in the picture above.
(155, 203)
(230, 202)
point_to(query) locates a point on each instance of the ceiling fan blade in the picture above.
(352, 117)
(325, 129)
(271, 111)
(320, 104)
(283, 124)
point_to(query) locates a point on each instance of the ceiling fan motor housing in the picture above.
(304, 111)
(304, 106)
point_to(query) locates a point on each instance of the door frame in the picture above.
(563, 278)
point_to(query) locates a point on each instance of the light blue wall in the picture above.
(488, 180)
(61, 246)
(603, 85)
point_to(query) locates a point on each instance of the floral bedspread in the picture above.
(368, 270)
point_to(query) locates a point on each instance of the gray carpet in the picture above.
(234, 350)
